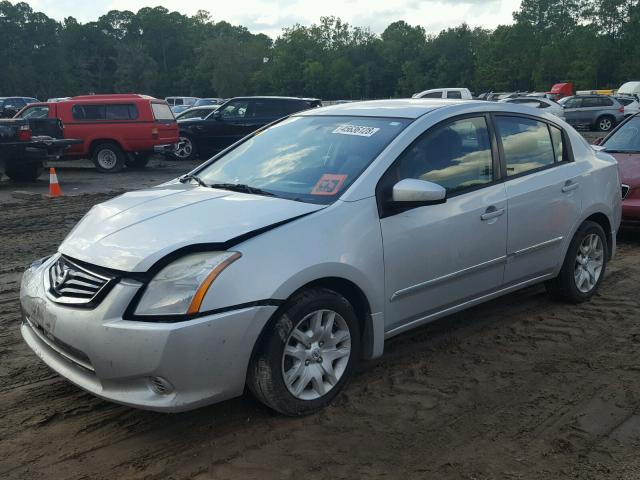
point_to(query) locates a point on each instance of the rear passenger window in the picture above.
(526, 143)
(591, 102)
(605, 102)
(433, 95)
(456, 156)
(454, 94)
(122, 112)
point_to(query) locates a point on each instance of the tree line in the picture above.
(594, 43)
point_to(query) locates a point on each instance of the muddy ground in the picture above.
(520, 388)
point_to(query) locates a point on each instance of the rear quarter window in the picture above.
(113, 112)
(162, 112)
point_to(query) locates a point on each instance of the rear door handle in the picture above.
(570, 186)
(492, 212)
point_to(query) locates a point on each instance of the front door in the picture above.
(439, 256)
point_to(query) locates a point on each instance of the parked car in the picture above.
(9, 106)
(57, 99)
(25, 144)
(116, 130)
(202, 102)
(456, 93)
(539, 102)
(285, 260)
(631, 104)
(180, 104)
(596, 112)
(197, 112)
(233, 120)
(624, 144)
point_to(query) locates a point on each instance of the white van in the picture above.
(629, 88)
(459, 93)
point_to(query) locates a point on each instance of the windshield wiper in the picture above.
(241, 187)
(197, 179)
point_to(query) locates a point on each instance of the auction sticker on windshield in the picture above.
(356, 130)
(328, 184)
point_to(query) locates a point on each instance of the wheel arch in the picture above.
(602, 220)
(97, 141)
(349, 290)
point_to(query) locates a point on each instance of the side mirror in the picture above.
(217, 115)
(411, 191)
(598, 141)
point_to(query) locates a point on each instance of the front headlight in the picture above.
(180, 287)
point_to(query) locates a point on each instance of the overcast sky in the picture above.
(270, 16)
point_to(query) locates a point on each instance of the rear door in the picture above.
(543, 187)
(572, 111)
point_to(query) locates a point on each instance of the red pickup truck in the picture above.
(116, 130)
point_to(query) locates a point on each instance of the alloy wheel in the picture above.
(316, 354)
(184, 148)
(589, 263)
(605, 124)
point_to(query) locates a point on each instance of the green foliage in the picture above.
(594, 43)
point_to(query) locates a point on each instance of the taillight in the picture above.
(621, 109)
(24, 133)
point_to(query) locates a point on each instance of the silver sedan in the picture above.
(294, 254)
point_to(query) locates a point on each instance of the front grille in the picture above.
(68, 282)
(625, 191)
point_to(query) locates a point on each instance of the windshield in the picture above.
(626, 138)
(306, 158)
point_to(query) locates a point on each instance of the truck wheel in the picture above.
(605, 123)
(108, 157)
(584, 266)
(138, 160)
(24, 173)
(307, 357)
(185, 149)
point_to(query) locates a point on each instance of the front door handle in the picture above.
(570, 186)
(491, 213)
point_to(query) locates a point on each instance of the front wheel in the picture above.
(309, 354)
(584, 266)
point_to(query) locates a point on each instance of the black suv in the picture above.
(9, 106)
(234, 119)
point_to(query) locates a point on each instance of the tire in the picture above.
(185, 149)
(108, 157)
(605, 123)
(570, 285)
(325, 365)
(24, 173)
(138, 160)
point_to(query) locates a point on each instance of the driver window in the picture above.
(455, 155)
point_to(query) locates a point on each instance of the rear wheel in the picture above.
(309, 354)
(108, 157)
(584, 266)
(138, 160)
(185, 149)
(24, 173)
(605, 123)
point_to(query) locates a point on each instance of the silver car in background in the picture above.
(295, 253)
(542, 103)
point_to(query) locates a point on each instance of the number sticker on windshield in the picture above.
(328, 184)
(356, 130)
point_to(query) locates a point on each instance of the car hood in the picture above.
(135, 230)
(629, 168)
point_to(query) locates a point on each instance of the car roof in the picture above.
(273, 97)
(400, 108)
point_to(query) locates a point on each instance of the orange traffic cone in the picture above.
(54, 187)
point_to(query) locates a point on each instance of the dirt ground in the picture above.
(520, 388)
